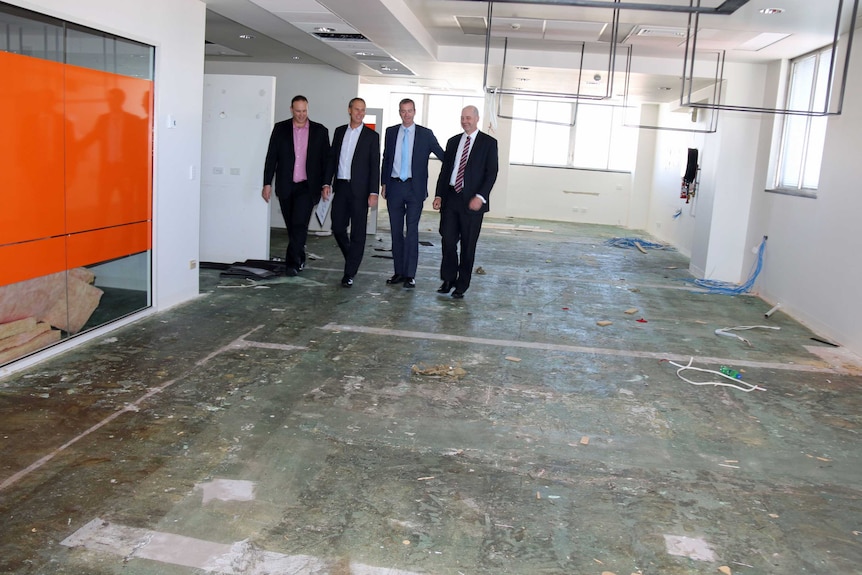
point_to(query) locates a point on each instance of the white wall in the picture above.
(812, 262)
(328, 91)
(179, 42)
(569, 195)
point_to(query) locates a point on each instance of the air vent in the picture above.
(472, 25)
(340, 36)
(652, 32)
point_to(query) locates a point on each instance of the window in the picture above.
(444, 115)
(571, 134)
(803, 136)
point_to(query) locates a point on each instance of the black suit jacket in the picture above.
(365, 168)
(424, 144)
(281, 157)
(479, 174)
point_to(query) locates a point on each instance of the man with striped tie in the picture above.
(467, 176)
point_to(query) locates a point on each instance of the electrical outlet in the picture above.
(193, 264)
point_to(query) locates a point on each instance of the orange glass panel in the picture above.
(97, 246)
(27, 260)
(109, 149)
(31, 148)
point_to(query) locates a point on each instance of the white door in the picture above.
(239, 113)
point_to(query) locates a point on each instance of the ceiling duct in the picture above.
(343, 36)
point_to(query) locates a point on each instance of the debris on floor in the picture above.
(638, 243)
(604, 323)
(725, 331)
(512, 358)
(480, 271)
(631, 311)
(453, 371)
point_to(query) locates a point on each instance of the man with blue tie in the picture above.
(404, 179)
(468, 174)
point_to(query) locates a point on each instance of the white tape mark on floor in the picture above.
(238, 343)
(240, 558)
(226, 490)
(578, 349)
(696, 549)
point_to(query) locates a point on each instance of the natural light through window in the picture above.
(571, 134)
(803, 137)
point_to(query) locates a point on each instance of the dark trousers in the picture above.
(459, 224)
(349, 209)
(404, 201)
(296, 207)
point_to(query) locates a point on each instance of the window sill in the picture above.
(559, 167)
(812, 194)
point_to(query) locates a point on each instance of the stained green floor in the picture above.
(531, 440)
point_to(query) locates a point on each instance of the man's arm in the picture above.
(389, 144)
(270, 164)
(374, 168)
(445, 172)
(332, 162)
(436, 149)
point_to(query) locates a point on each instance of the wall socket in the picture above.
(193, 264)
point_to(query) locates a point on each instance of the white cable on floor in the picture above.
(725, 331)
(682, 368)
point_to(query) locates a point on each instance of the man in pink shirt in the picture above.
(297, 154)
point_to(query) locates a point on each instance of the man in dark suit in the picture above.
(297, 156)
(404, 179)
(463, 191)
(354, 163)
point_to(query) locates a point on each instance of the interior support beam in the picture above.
(725, 9)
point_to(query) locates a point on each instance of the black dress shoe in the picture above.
(347, 281)
(445, 287)
(396, 279)
(458, 294)
(291, 272)
(409, 283)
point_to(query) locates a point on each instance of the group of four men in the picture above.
(306, 167)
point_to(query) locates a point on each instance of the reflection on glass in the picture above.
(99, 209)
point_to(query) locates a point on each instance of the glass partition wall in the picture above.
(75, 180)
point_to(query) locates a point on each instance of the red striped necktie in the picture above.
(459, 179)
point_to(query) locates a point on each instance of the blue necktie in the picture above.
(405, 157)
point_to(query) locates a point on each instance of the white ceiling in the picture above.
(440, 44)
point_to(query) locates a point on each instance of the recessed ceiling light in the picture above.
(665, 88)
(522, 67)
(770, 11)
(516, 26)
(295, 58)
(363, 53)
(324, 29)
(246, 36)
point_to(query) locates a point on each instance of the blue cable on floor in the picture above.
(728, 288)
(635, 242)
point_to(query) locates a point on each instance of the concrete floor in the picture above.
(281, 427)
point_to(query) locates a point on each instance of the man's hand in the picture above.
(266, 193)
(437, 203)
(326, 191)
(383, 191)
(372, 200)
(476, 204)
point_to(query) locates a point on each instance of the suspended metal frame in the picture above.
(725, 9)
(612, 54)
(689, 62)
